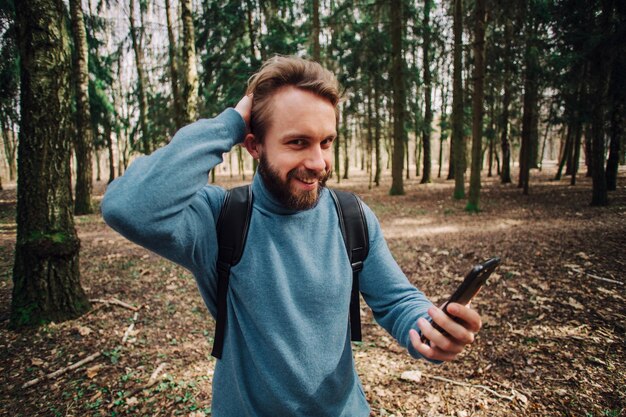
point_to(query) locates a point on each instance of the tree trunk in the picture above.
(190, 73)
(599, 80)
(83, 142)
(141, 84)
(442, 125)
(618, 104)
(506, 101)
(370, 133)
(428, 112)
(315, 41)
(397, 78)
(251, 30)
(492, 132)
(10, 146)
(377, 135)
(178, 110)
(107, 136)
(458, 139)
(477, 106)
(576, 153)
(531, 61)
(337, 143)
(408, 156)
(346, 141)
(240, 164)
(46, 274)
(567, 149)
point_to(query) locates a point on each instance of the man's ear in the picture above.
(252, 145)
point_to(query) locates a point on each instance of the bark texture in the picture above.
(477, 106)
(46, 271)
(397, 76)
(178, 110)
(190, 74)
(428, 111)
(458, 140)
(141, 82)
(83, 142)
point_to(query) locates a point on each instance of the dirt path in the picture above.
(552, 342)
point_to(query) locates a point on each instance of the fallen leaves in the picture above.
(413, 376)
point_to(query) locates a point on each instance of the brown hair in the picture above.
(282, 71)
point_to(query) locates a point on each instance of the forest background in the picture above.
(442, 99)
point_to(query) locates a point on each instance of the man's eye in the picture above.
(298, 142)
(328, 142)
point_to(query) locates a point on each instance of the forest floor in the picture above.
(553, 340)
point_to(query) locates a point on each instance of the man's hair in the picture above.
(283, 71)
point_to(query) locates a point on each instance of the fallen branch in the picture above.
(63, 370)
(130, 328)
(152, 381)
(116, 302)
(597, 277)
(467, 384)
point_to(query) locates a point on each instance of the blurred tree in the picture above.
(173, 61)
(428, 112)
(477, 105)
(136, 37)
(399, 100)
(190, 72)
(9, 85)
(458, 140)
(83, 140)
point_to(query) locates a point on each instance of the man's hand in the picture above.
(446, 347)
(244, 108)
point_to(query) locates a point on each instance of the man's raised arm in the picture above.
(161, 202)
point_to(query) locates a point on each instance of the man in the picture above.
(287, 348)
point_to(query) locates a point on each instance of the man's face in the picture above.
(295, 158)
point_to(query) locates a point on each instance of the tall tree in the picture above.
(397, 77)
(506, 99)
(46, 271)
(458, 141)
(190, 72)
(531, 86)
(141, 81)
(618, 119)
(315, 33)
(477, 105)
(601, 56)
(83, 141)
(428, 111)
(173, 55)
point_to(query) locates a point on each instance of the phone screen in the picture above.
(470, 286)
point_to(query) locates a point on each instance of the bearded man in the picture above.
(287, 349)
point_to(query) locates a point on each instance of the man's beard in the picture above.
(281, 189)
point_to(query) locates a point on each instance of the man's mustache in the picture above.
(308, 175)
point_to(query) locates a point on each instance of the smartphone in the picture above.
(470, 286)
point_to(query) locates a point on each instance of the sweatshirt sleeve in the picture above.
(396, 303)
(163, 201)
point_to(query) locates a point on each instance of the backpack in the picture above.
(232, 230)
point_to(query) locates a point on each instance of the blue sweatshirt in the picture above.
(287, 348)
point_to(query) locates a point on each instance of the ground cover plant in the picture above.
(554, 313)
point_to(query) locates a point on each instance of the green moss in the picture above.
(56, 237)
(25, 316)
(472, 208)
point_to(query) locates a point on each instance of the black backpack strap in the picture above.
(232, 230)
(356, 237)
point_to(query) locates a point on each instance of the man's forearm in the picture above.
(148, 201)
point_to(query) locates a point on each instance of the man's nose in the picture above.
(315, 159)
